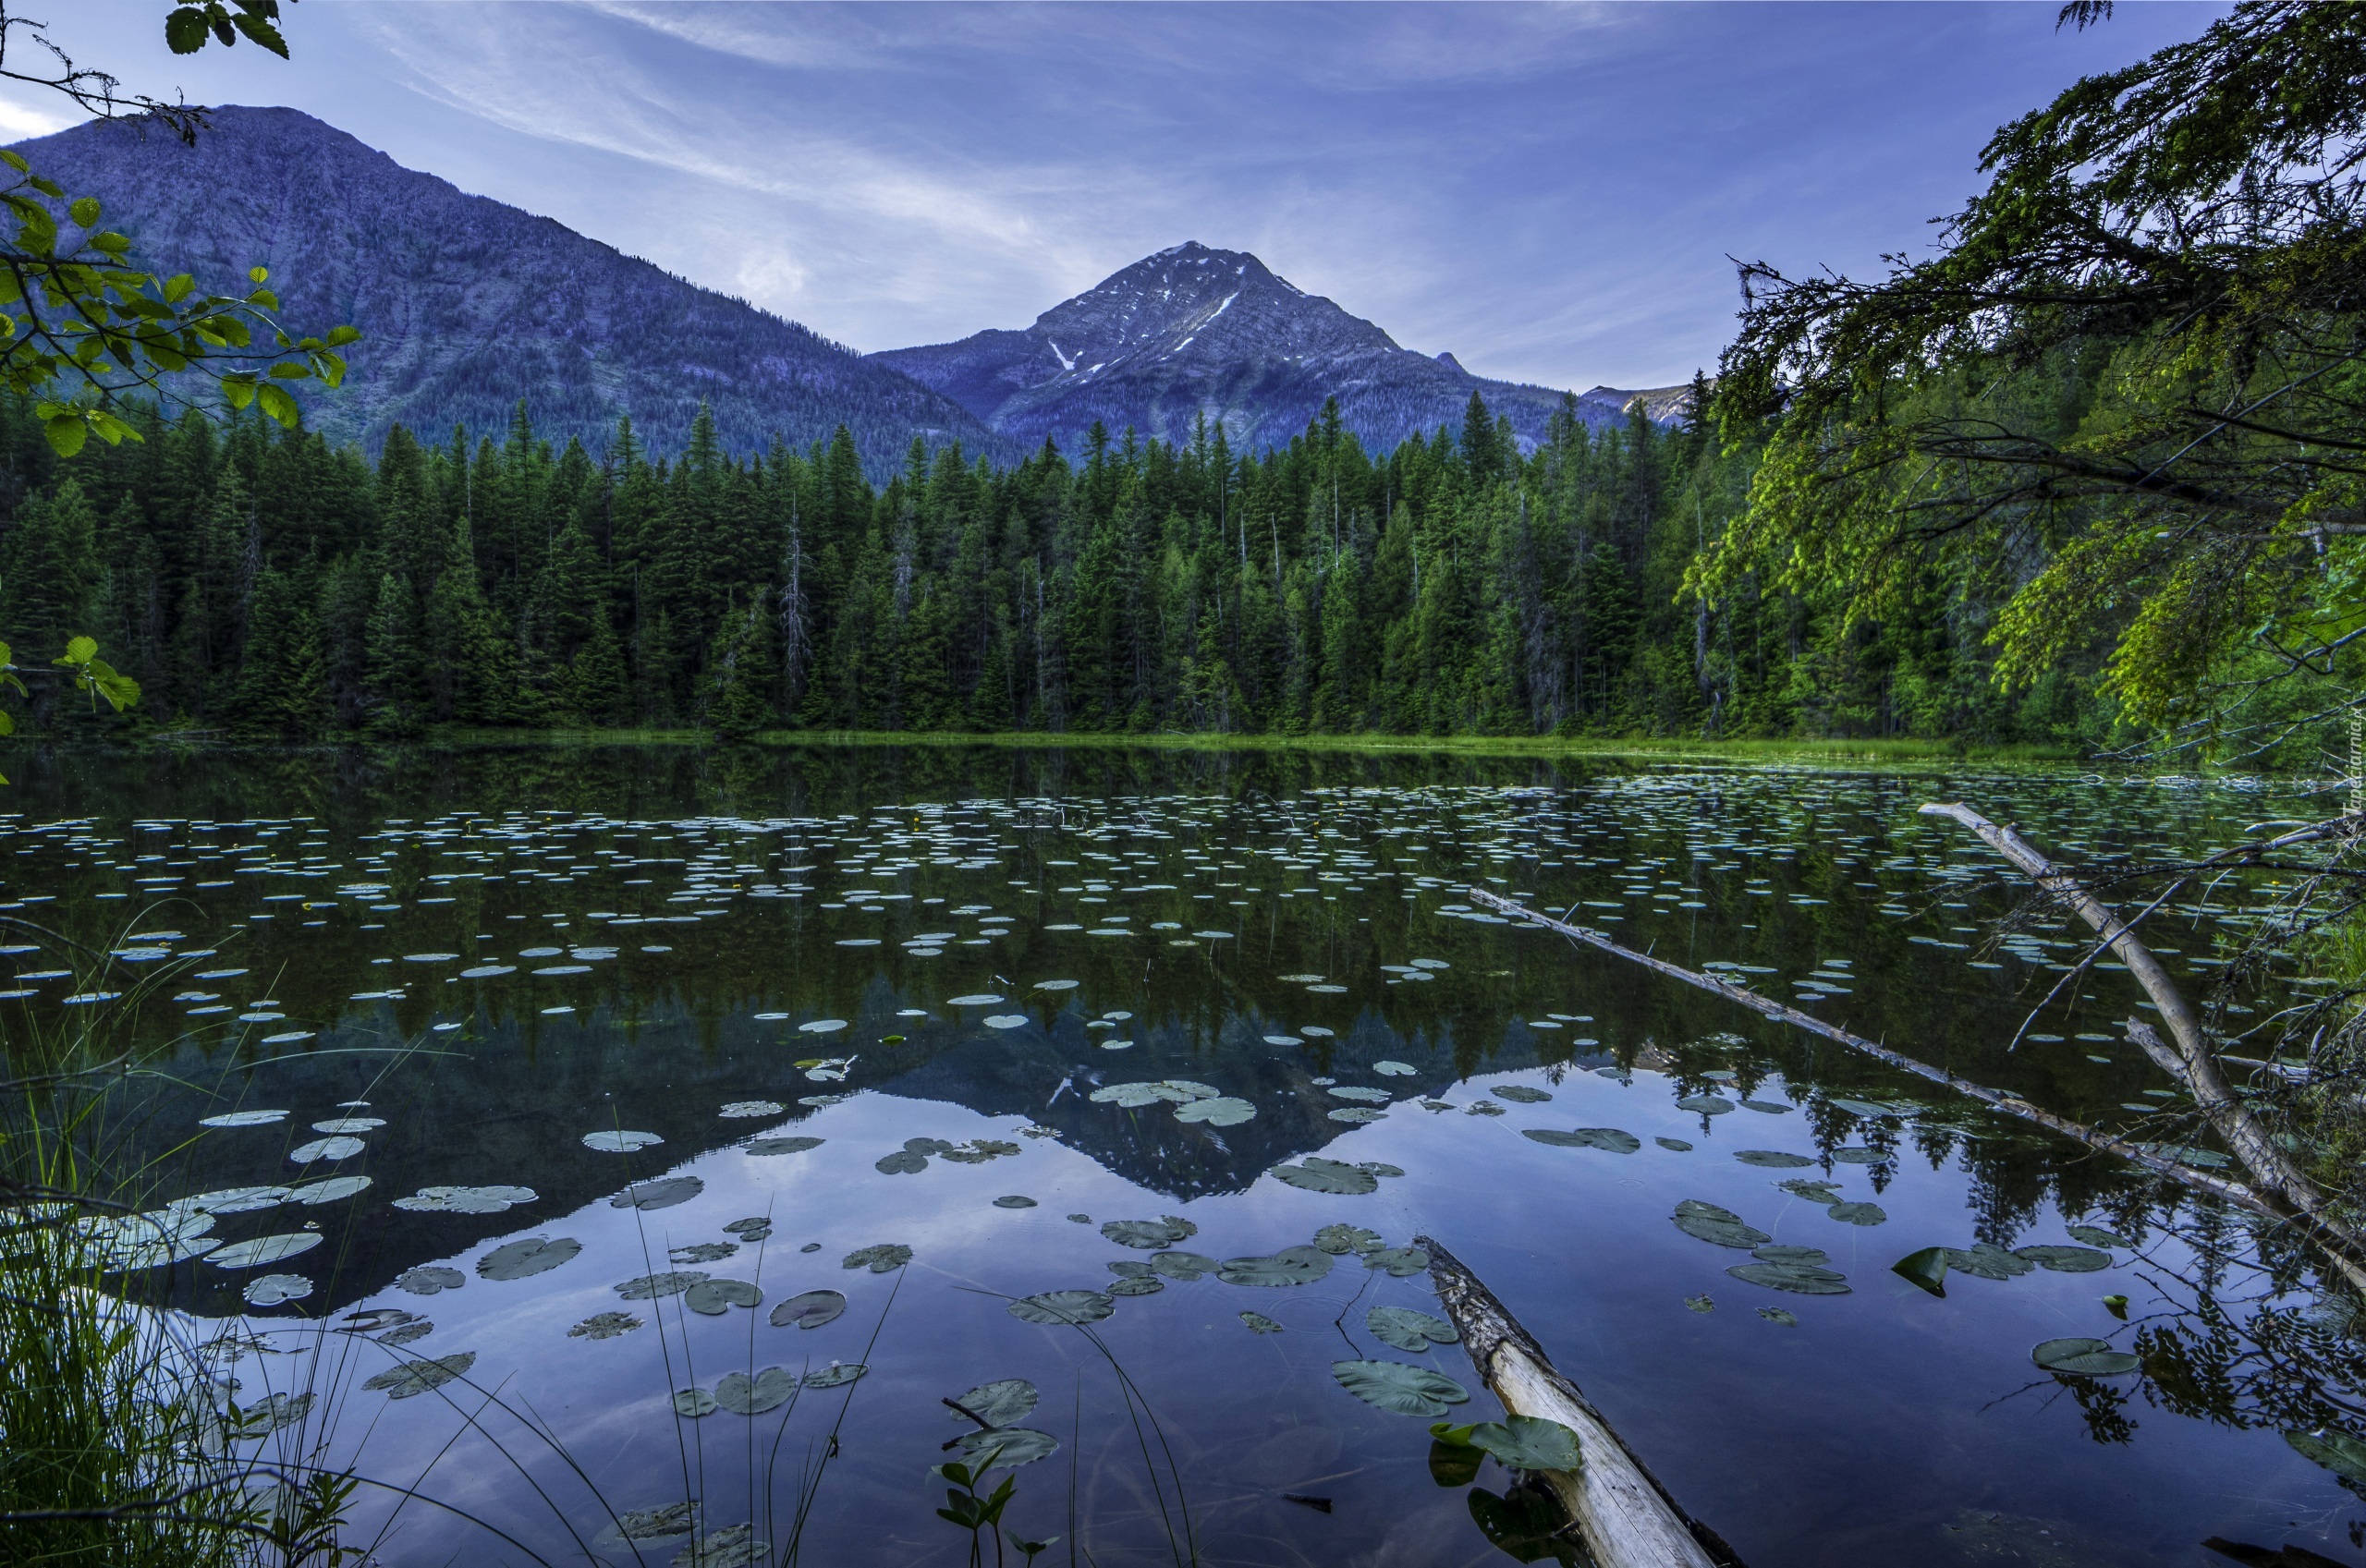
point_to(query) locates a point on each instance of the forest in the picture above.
(263, 584)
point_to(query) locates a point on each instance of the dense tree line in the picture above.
(265, 584)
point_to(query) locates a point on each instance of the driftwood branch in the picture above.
(2186, 1055)
(1626, 1517)
(2216, 1186)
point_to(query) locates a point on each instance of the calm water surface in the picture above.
(716, 1031)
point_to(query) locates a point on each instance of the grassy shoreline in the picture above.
(1549, 746)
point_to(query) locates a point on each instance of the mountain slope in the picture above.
(468, 305)
(1193, 330)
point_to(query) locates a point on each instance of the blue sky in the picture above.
(1549, 191)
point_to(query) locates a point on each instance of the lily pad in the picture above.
(1358, 1114)
(339, 1147)
(662, 1193)
(1150, 1235)
(517, 1259)
(1290, 1265)
(1706, 1104)
(779, 1145)
(1677, 1145)
(741, 1110)
(1357, 1091)
(711, 1298)
(1804, 1278)
(1859, 1213)
(1987, 1261)
(1259, 1324)
(2338, 1452)
(1000, 1403)
(1859, 1156)
(1773, 1160)
(694, 1403)
(1406, 1328)
(1527, 1442)
(237, 1200)
(619, 1142)
(837, 1375)
(1826, 1193)
(2095, 1236)
(1006, 1447)
(1402, 1262)
(465, 1201)
(1063, 1306)
(1720, 1227)
(1340, 1240)
(1183, 1266)
(1225, 1111)
(349, 1125)
(1926, 1270)
(657, 1287)
(1004, 1020)
(243, 1119)
(1399, 1386)
(822, 1025)
(2081, 1357)
(809, 1309)
(271, 1289)
(418, 1377)
(1395, 1069)
(2066, 1259)
(335, 1189)
(1520, 1094)
(1318, 1174)
(604, 1326)
(429, 1278)
(264, 1249)
(1014, 1200)
(1610, 1138)
(743, 1395)
(984, 998)
(884, 1258)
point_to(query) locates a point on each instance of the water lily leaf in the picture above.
(1804, 1279)
(1225, 1111)
(2081, 1357)
(741, 1109)
(243, 1119)
(1399, 1386)
(1150, 1235)
(1453, 1462)
(1773, 1160)
(1259, 1324)
(736, 1546)
(1142, 1285)
(703, 1252)
(1722, 1227)
(1014, 1200)
(244, 1423)
(809, 1309)
(1129, 1097)
(237, 1200)
(780, 1145)
(1610, 1138)
(418, 1377)
(884, 1258)
(1858, 1214)
(1001, 1404)
(822, 1027)
(335, 1189)
(1004, 1020)
(1859, 1156)
(1826, 1193)
(903, 1162)
(1987, 1261)
(619, 1142)
(271, 1289)
(326, 1148)
(1318, 1174)
(1520, 1094)
(1006, 1447)
(1290, 1265)
(2338, 1451)
(1409, 1330)
(465, 1201)
(1926, 1270)
(1529, 1442)
(984, 998)
(604, 1326)
(1183, 1265)
(429, 1278)
(1706, 1104)
(1776, 1252)
(264, 1249)
(1063, 1306)
(711, 1298)
(835, 1375)
(1357, 1091)
(1870, 1108)
(2095, 1236)
(743, 1395)
(655, 1287)
(349, 1125)
(1395, 1069)
(1675, 1145)
(1403, 1262)
(517, 1259)
(2066, 1259)
(662, 1193)
(693, 1403)
(1340, 1240)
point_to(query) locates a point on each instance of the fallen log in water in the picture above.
(1624, 1516)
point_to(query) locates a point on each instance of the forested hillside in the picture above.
(271, 585)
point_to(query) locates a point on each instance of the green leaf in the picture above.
(277, 404)
(84, 212)
(1399, 1386)
(1529, 1442)
(258, 274)
(65, 434)
(1926, 1270)
(81, 651)
(1453, 1464)
(262, 32)
(2338, 1452)
(289, 371)
(178, 288)
(15, 161)
(341, 336)
(185, 31)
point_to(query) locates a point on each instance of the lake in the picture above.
(525, 1108)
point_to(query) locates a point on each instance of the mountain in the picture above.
(468, 305)
(1191, 331)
